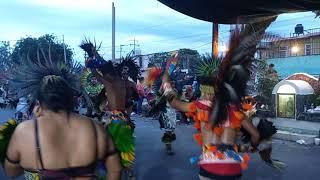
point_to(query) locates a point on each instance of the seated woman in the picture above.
(56, 143)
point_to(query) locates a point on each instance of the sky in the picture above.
(154, 26)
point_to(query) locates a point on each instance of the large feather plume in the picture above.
(234, 71)
(134, 69)
(108, 67)
(26, 79)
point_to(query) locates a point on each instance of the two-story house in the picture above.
(297, 60)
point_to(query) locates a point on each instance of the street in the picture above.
(154, 164)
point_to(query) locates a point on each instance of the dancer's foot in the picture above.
(169, 149)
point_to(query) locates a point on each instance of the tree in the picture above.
(5, 61)
(158, 58)
(32, 47)
(267, 79)
(188, 59)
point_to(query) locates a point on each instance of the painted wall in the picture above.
(299, 64)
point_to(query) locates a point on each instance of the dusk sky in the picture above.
(155, 26)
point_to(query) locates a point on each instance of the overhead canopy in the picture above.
(239, 11)
(293, 87)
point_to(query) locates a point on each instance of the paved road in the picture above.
(153, 163)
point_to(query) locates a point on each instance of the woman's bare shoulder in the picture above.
(88, 121)
(24, 129)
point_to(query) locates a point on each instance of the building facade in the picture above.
(298, 53)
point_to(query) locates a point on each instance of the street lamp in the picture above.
(294, 49)
(223, 48)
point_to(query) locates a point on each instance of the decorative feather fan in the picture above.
(90, 85)
(6, 131)
(96, 60)
(26, 79)
(124, 141)
(154, 73)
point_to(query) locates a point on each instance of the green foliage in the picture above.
(317, 100)
(266, 81)
(188, 59)
(30, 47)
(6, 131)
(207, 66)
(5, 61)
(158, 58)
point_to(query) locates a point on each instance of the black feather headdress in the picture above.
(108, 67)
(26, 79)
(234, 71)
(134, 69)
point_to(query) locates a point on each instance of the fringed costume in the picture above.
(159, 106)
(118, 122)
(223, 105)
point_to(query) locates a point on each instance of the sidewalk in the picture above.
(292, 125)
(294, 130)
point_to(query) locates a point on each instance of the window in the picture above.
(283, 51)
(307, 49)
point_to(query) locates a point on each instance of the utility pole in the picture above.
(64, 50)
(113, 32)
(134, 46)
(121, 45)
(215, 40)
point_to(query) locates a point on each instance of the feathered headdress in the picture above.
(207, 69)
(108, 67)
(129, 62)
(234, 71)
(25, 80)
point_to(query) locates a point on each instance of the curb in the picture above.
(289, 136)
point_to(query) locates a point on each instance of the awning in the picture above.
(239, 11)
(293, 87)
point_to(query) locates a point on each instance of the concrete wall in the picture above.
(273, 48)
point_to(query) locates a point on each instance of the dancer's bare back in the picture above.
(116, 89)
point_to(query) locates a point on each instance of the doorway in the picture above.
(286, 105)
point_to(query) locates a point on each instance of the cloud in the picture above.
(72, 5)
(155, 26)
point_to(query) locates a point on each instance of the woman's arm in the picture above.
(255, 136)
(172, 96)
(112, 162)
(12, 167)
(107, 150)
(179, 105)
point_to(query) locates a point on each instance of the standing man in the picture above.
(141, 94)
(118, 91)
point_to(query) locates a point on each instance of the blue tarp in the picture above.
(299, 64)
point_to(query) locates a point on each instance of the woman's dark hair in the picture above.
(56, 94)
